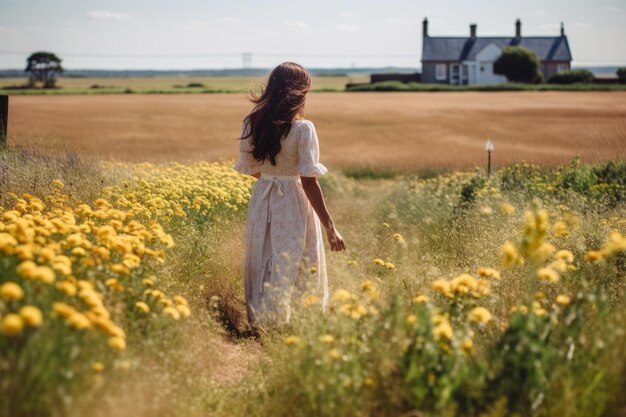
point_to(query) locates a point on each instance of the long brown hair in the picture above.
(279, 103)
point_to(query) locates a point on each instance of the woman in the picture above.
(284, 246)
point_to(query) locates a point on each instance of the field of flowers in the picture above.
(459, 295)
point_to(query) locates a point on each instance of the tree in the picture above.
(518, 64)
(621, 75)
(43, 67)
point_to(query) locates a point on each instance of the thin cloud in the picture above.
(541, 12)
(582, 25)
(612, 9)
(349, 14)
(400, 20)
(106, 15)
(228, 21)
(344, 27)
(297, 24)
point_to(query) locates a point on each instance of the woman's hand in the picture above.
(335, 240)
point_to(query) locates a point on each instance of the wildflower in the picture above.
(421, 299)
(117, 343)
(353, 263)
(295, 341)
(463, 284)
(369, 287)
(489, 273)
(379, 261)
(594, 256)
(341, 295)
(560, 229)
(538, 309)
(12, 325)
(78, 321)
(443, 331)
(180, 300)
(507, 208)
(10, 291)
(327, 338)
(544, 251)
(486, 210)
(411, 319)
(334, 354)
(548, 274)
(386, 225)
(148, 282)
(57, 184)
(183, 310)
(31, 315)
(142, 306)
(97, 366)
(480, 315)
(312, 270)
(389, 265)
(369, 382)
(309, 300)
(442, 287)
(510, 256)
(172, 313)
(467, 345)
(355, 311)
(563, 300)
(398, 238)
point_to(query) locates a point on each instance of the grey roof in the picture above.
(547, 48)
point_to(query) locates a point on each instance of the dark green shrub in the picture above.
(518, 64)
(621, 75)
(572, 77)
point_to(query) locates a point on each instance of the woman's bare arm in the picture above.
(314, 194)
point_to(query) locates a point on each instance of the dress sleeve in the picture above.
(309, 152)
(246, 163)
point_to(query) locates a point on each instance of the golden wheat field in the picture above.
(388, 130)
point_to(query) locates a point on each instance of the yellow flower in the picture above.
(480, 315)
(312, 270)
(10, 291)
(443, 331)
(560, 229)
(411, 319)
(379, 261)
(507, 208)
(327, 338)
(78, 321)
(398, 238)
(142, 306)
(510, 256)
(148, 282)
(97, 366)
(463, 284)
(183, 310)
(295, 341)
(386, 225)
(489, 273)
(117, 343)
(180, 300)
(548, 274)
(62, 309)
(353, 263)
(467, 345)
(172, 313)
(309, 300)
(594, 256)
(389, 265)
(421, 299)
(369, 382)
(334, 354)
(565, 255)
(57, 184)
(370, 288)
(341, 295)
(443, 287)
(538, 309)
(31, 315)
(12, 325)
(563, 300)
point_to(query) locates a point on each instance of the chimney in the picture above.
(562, 29)
(518, 28)
(473, 30)
(425, 27)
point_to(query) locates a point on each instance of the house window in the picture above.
(562, 67)
(440, 72)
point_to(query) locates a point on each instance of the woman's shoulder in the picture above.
(304, 126)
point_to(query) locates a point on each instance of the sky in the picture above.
(202, 34)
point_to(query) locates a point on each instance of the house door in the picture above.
(459, 74)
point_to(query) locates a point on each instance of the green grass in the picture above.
(388, 354)
(398, 86)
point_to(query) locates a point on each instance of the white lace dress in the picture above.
(284, 257)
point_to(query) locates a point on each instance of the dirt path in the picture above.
(397, 130)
